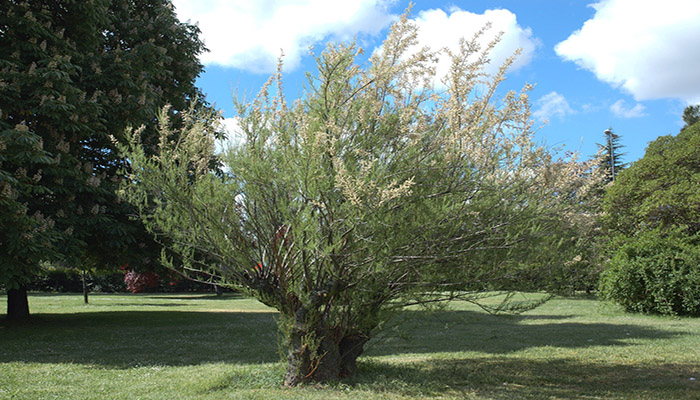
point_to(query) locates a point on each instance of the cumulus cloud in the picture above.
(234, 135)
(551, 105)
(250, 34)
(621, 110)
(439, 29)
(647, 47)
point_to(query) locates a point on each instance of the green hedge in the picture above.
(655, 272)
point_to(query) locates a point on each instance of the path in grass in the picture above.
(195, 346)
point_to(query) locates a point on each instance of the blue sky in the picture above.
(627, 64)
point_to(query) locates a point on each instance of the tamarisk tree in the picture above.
(371, 192)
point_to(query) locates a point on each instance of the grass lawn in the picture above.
(202, 347)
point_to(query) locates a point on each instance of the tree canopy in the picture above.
(372, 191)
(691, 115)
(652, 217)
(75, 73)
(662, 189)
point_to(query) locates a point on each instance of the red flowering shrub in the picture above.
(139, 282)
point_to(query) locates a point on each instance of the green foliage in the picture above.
(60, 280)
(373, 191)
(75, 74)
(660, 190)
(655, 272)
(691, 116)
(26, 237)
(653, 212)
(610, 155)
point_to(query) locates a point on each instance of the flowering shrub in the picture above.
(139, 282)
(373, 191)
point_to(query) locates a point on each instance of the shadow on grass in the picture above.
(452, 331)
(128, 338)
(158, 296)
(501, 377)
(200, 296)
(131, 338)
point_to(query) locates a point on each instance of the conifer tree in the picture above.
(610, 155)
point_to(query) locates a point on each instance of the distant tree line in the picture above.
(71, 281)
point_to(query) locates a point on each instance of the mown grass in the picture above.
(204, 347)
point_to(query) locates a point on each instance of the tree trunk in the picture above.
(85, 287)
(17, 304)
(329, 361)
(351, 347)
(305, 364)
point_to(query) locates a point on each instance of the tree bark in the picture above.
(351, 347)
(85, 287)
(324, 366)
(332, 360)
(17, 304)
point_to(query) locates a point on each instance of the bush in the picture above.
(139, 282)
(655, 272)
(70, 281)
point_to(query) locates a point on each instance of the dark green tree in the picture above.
(610, 155)
(661, 190)
(26, 237)
(655, 271)
(609, 165)
(74, 75)
(691, 115)
(652, 216)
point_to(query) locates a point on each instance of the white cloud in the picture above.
(234, 135)
(249, 34)
(551, 105)
(647, 47)
(588, 107)
(438, 29)
(622, 111)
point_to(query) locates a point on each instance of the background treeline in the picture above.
(70, 281)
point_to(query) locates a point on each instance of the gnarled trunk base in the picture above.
(351, 347)
(17, 304)
(331, 361)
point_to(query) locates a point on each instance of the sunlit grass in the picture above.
(200, 346)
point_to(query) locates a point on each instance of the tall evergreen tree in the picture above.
(74, 74)
(610, 155)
